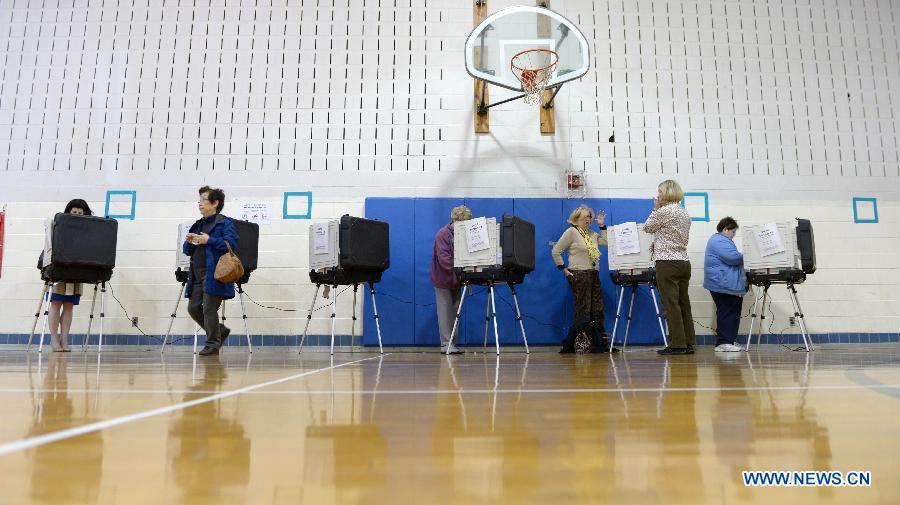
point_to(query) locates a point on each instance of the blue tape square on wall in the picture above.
(298, 194)
(132, 194)
(856, 209)
(698, 194)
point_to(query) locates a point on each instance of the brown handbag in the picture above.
(229, 267)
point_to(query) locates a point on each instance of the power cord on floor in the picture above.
(780, 334)
(129, 318)
(272, 307)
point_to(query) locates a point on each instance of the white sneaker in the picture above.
(728, 348)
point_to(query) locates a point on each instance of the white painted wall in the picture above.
(778, 110)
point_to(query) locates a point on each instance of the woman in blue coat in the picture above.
(205, 244)
(723, 269)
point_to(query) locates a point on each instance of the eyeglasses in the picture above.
(201, 200)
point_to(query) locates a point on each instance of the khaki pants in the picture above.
(447, 301)
(672, 278)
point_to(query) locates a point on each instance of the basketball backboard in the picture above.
(493, 43)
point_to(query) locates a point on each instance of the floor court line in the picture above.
(30, 443)
(458, 391)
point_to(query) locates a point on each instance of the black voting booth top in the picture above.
(247, 247)
(83, 249)
(364, 253)
(517, 256)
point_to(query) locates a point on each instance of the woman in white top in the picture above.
(583, 272)
(671, 225)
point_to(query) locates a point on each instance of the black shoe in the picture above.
(672, 351)
(208, 351)
(224, 335)
(614, 350)
(690, 349)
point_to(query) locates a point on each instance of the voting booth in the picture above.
(778, 253)
(347, 252)
(631, 266)
(77, 249)
(486, 253)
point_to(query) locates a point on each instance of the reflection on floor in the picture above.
(419, 427)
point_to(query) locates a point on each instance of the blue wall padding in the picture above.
(394, 312)
(405, 295)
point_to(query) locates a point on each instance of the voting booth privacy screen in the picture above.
(771, 246)
(182, 261)
(363, 244)
(351, 243)
(629, 247)
(517, 244)
(323, 245)
(483, 242)
(79, 248)
(476, 243)
(247, 247)
(806, 245)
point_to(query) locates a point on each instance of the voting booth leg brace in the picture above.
(659, 320)
(334, 315)
(490, 313)
(37, 317)
(172, 320)
(798, 314)
(240, 291)
(87, 335)
(801, 320)
(375, 316)
(309, 315)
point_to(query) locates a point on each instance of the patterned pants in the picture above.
(588, 298)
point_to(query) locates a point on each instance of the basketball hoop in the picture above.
(533, 68)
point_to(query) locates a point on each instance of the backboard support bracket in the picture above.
(482, 116)
(549, 94)
(546, 109)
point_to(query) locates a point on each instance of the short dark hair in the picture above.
(727, 223)
(214, 195)
(78, 203)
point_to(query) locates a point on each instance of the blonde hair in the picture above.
(461, 213)
(580, 211)
(670, 192)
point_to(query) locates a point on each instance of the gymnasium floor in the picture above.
(134, 427)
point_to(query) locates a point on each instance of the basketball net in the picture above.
(533, 68)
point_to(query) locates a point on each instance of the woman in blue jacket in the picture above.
(723, 269)
(205, 244)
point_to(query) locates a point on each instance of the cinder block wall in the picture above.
(776, 110)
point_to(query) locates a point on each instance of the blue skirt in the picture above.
(73, 299)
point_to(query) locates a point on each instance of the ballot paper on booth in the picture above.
(477, 235)
(768, 240)
(320, 238)
(627, 240)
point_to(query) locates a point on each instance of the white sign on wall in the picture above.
(259, 213)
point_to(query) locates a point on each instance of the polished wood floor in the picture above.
(134, 427)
